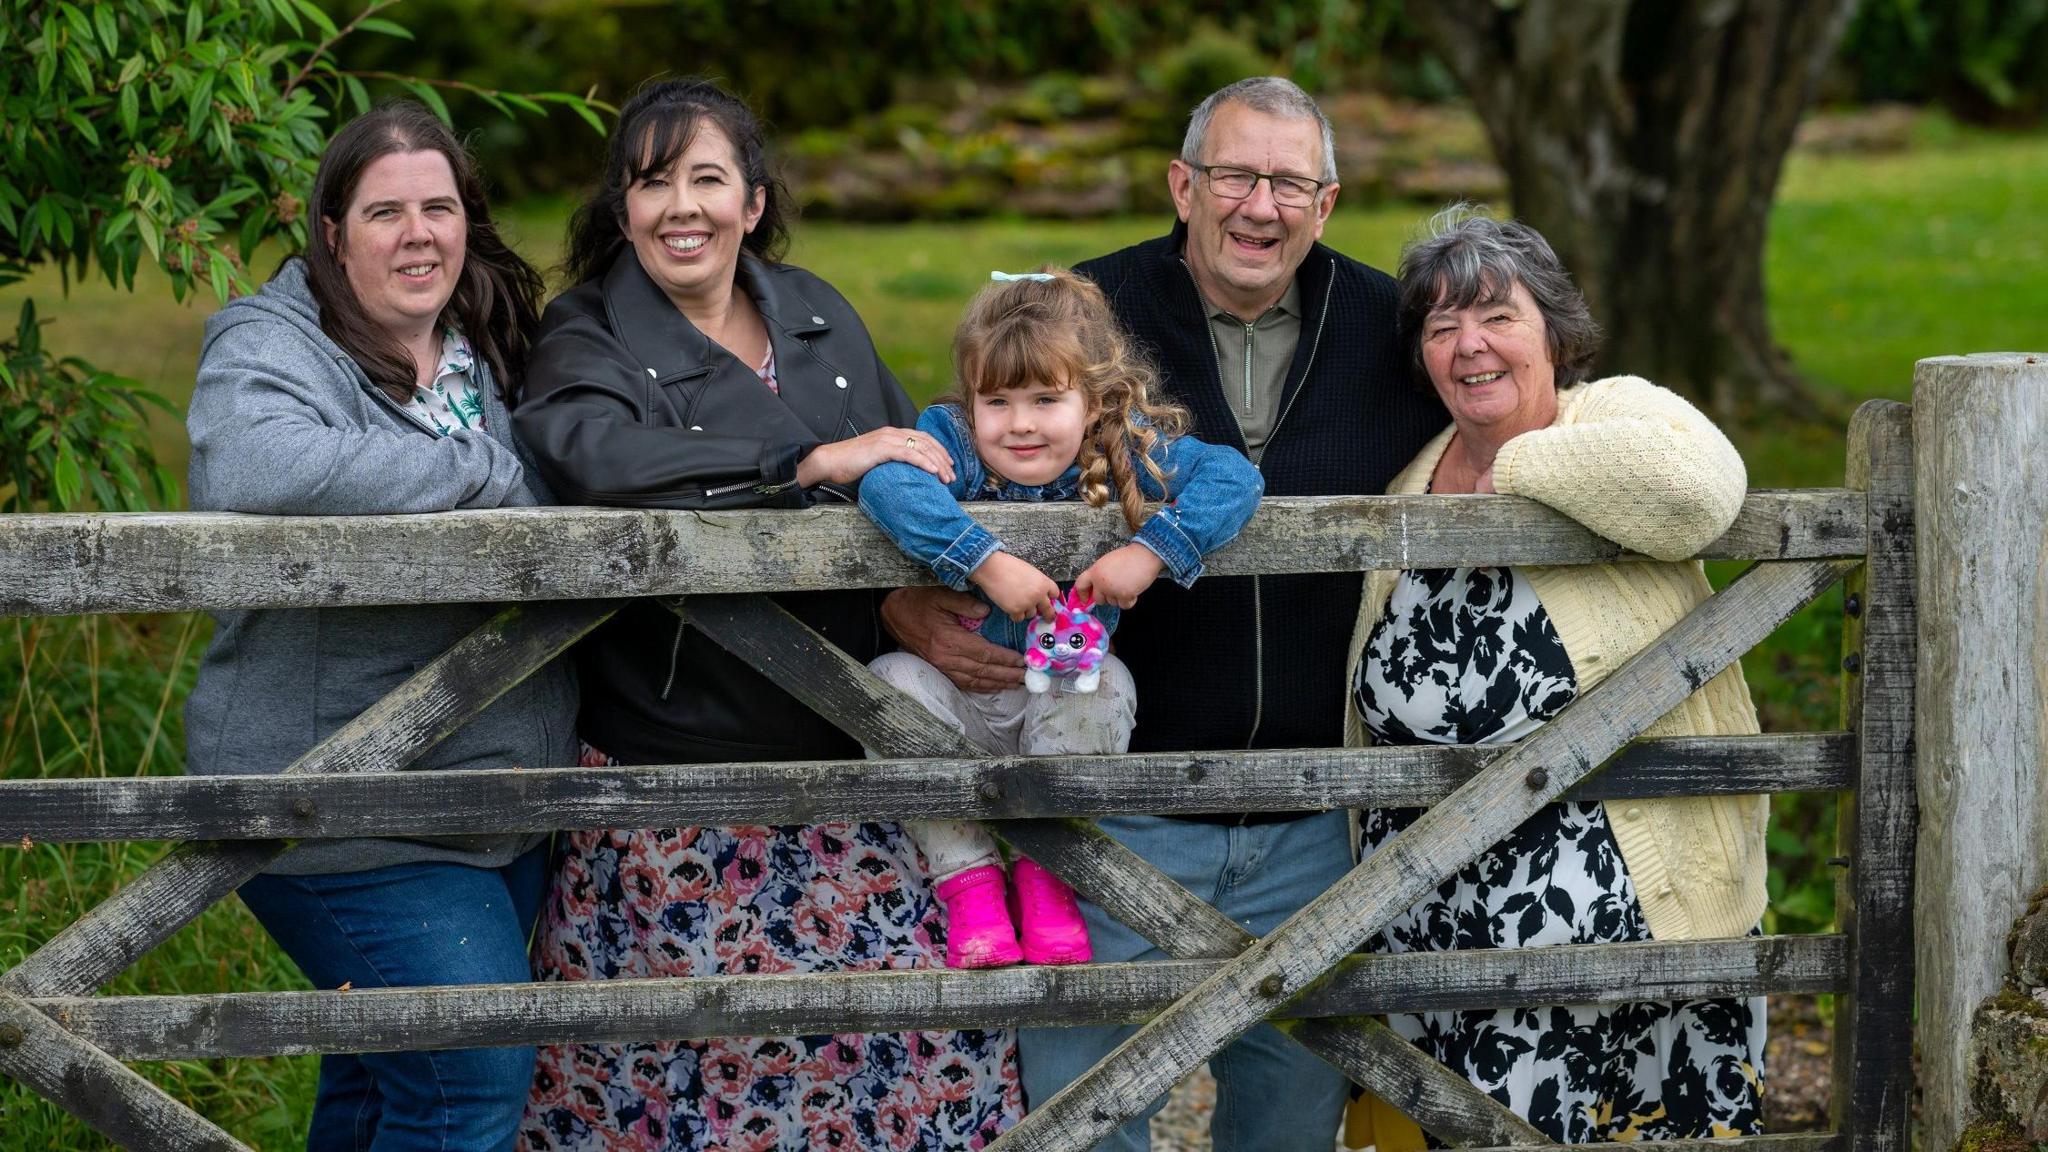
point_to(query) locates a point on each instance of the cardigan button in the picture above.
(817, 319)
(1634, 813)
(839, 381)
(696, 427)
(1665, 891)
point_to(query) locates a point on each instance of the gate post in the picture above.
(1873, 1066)
(1980, 431)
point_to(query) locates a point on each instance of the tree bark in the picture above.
(1645, 139)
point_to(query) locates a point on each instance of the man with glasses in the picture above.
(1285, 350)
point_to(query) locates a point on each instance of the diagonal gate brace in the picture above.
(1116, 879)
(427, 708)
(1513, 787)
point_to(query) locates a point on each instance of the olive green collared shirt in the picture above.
(1252, 361)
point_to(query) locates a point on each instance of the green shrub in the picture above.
(73, 436)
(1180, 77)
(1979, 58)
(184, 131)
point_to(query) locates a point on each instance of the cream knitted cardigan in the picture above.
(1643, 468)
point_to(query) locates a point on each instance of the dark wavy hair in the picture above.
(654, 128)
(496, 304)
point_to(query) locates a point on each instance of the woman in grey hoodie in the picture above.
(375, 374)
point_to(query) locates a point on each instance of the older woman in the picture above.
(375, 374)
(1486, 655)
(688, 368)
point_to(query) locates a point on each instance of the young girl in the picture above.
(1054, 405)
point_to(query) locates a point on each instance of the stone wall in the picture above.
(2009, 1046)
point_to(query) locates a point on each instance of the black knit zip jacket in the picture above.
(1257, 662)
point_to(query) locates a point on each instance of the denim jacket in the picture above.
(1211, 491)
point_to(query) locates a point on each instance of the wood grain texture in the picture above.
(1116, 879)
(96, 1089)
(1873, 1076)
(1372, 1053)
(61, 564)
(1002, 788)
(147, 911)
(1788, 1142)
(1298, 954)
(1981, 505)
(637, 1011)
(425, 709)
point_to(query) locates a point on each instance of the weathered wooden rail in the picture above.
(68, 1044)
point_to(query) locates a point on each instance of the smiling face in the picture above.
(1244, 252)
(402, 240)
(1490, 362)
(1030, 434)
(686, 221)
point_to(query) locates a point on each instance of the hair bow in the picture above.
(1005, 276)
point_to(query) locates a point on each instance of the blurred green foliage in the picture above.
(842, 81)
(829, 63)
(1980, 58)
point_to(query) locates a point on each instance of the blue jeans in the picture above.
(404, 926)
(1271, 1093)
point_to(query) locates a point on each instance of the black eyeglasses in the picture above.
(1237, 183)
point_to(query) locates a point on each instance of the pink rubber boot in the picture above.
(978, 930)
(1054, 932)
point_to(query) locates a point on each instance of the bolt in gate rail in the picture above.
(70, 1045)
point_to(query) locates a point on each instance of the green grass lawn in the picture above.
(1874, 262)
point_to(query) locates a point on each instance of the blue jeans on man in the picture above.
(1272, 1095)
(404, 926)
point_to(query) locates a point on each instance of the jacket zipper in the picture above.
(1258, 589)
(403, 412)
(1314, 346)
(1250, 350)
(644, 500)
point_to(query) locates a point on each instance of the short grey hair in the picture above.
(1272, 95)
(1466, 257)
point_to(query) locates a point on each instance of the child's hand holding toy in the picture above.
(1120, 577)
(1015, 586)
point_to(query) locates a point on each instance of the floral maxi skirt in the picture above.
(710, 901)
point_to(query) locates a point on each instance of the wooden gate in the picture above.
(564, 570)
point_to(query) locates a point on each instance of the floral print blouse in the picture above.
(451, 400)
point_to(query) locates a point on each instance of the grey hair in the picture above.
(1466, 257)
(1272, 95)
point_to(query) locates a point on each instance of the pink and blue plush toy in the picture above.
(1071, 645)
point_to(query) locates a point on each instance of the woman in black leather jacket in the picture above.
(689, 368)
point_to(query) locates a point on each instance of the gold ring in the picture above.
(910, 441)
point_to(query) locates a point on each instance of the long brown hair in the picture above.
(655, 127)
(1025, 332)
(496, 305)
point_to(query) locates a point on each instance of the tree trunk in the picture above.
(1644, 140)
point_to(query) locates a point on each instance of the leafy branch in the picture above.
(185, 132)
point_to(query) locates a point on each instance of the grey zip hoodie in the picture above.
(284, 423)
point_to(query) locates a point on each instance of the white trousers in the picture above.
(1011, 721)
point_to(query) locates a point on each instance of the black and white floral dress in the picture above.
(1468, 656)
